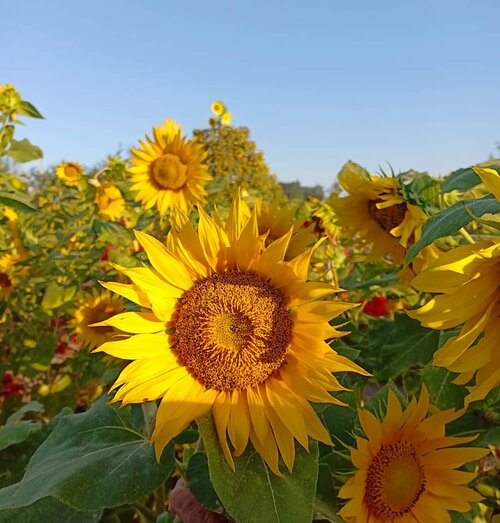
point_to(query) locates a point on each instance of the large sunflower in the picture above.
(169, 171)
(229, 327)
(406, 470)
(93, 309)
(468, 278)
(69, 173)
(377, 213)
(109, 201)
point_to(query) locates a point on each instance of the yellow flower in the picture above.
(231, 328)
(69, 173)
(169, 171)
(376, 212)
(406, 470)
(276, 219)
(93, 309)
(490, 178)
(468, 278)
(226, 118)
(10, 214)
(6, 87)
(217, 108)
(110, 201)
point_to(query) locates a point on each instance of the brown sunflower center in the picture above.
(169, 172)
(394, 482)
(5, 281)
(389, 217)
(232, 330)
(72, 171)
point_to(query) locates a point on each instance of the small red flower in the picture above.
(376, 307)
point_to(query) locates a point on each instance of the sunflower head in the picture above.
(217, 108)
(406, 468)
(168, 170)
(466, 281)
(229, 326)
(69, 173)
(376, 212)
(96, 308)
(6, 284)
(226, 118)
(109, 201)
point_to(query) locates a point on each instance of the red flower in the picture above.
(377, 306)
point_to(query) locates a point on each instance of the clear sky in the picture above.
(412, 82)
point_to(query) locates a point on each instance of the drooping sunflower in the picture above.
(377, 213)
(229, 327)
(109, 201)
(468, 278)
(93, 309)
(69, 173)
(169, 171)
(406, 468)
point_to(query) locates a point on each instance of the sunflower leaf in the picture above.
(450, 221)
(90, 461)
(252, 493)
(465, 178)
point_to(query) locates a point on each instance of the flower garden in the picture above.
(183, 341)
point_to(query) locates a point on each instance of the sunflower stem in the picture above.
(160, 499)
(466, 235)
(149, 411)
(145, 511)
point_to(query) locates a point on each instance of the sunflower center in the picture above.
(71, 171)
(394, 482)
(5, 281)
(169, 172)
(389, 217)
(232, 330)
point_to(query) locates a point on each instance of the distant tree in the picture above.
(296, 191)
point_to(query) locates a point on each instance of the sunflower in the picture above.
(109, 201)
(229, 327)
(406, 470)
(169, 171)
(226, 118)
(217, 108)
(7, 282)
(469, 279)
(69, 173)
(490, 178)
(377, 213)
(275, 220)
(93, 309)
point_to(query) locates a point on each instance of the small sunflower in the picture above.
(468, 278)
(93, 309)
(231, 328)
(109, 201)
(169, 171)
(377, 213)
(7, 281)
(69, 173)
(406, 468)
(217, 108)
(226, 118)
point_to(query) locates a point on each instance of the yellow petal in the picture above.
(137, 347)
(134, 322)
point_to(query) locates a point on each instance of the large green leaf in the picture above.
(16, 431)
(24, 108)
(444, 394)
(90, 461)
(17, 201)
(407, 345)
(48, 510)
(464, 179)
(253, 494)
(451, 220)
(199, 481)
(24, 151)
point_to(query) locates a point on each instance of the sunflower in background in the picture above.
(7, 282)
(109, 201)
(92, 309)
(69, 173)
(169, 171)
(246, 338)
(377, 213)
(217, 108)
(407, 472)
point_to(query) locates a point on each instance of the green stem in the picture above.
(145, 511)
(466, 235)
(149, 411)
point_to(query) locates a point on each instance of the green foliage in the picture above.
(451, 220)
(253, 494)
(465, 178)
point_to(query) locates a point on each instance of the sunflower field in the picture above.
(182, 342)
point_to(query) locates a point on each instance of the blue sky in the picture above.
(414, 82)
